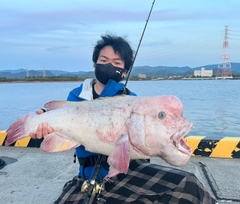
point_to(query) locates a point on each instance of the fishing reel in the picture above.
(98, 187)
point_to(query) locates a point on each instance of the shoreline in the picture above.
(55, 81)
(26, 82)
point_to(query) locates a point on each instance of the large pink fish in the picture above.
(123, 128)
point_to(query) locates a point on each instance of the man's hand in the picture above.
(42, 130)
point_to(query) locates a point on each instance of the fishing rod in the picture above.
(92, 186)
(130, 70)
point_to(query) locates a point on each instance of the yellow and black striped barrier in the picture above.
(226, 147)
(24, 142)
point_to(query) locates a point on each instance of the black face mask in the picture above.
(104, 72)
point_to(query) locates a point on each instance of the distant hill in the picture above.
(80, 73)
(168, 71)
(23, 74)
(235, 68)
(160, 70)
(156, 71)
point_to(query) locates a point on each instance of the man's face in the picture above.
(107, 55)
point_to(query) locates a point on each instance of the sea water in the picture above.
(213, 106)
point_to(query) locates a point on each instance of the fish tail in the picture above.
(16, 131)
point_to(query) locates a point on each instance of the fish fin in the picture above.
(56, 104)
(120, 157)
(54, 142)
(110, 98)
(16, 131)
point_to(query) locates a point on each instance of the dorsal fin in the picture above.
(111, 97)
(56, 104)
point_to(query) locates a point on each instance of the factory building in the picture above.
(203, 72)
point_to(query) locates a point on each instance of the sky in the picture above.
(61, 34)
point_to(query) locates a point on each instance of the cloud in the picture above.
(190, 15)
(22, 22)
(67, 30)
(58, 49)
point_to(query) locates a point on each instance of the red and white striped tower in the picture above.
(224, 68)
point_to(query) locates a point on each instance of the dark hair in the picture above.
(119, 44)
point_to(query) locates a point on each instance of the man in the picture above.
(144, 182)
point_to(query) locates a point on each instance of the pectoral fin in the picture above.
(120, 157)
(56, 143)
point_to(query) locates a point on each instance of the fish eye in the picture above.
(161, 115)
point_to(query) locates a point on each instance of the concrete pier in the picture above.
(33, 176)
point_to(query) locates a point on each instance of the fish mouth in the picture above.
(178, 139)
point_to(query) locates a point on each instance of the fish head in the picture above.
(165, 128)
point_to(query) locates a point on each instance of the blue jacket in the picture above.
(84, 92)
